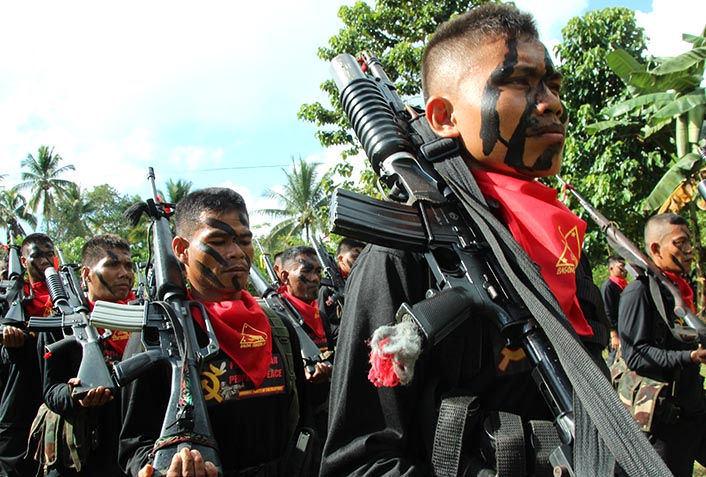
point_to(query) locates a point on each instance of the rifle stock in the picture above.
(619, 242)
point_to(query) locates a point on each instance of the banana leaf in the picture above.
(681, 170)
(682, 105)
(682, 62)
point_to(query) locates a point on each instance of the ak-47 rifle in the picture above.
(12, 289)
(335, 280)
(455, 237)
(168, 334)
(311, 354)
(695, 329)
(72, 316)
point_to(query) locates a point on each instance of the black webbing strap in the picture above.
(454, 413)
(544, 439)
(510, 459)
(604, 410)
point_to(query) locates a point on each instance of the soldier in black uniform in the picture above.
(648, 347)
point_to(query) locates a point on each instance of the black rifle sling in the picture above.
(604, 413)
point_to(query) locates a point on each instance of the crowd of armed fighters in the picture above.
(456, 330)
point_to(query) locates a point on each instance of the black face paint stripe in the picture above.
(679, 264)
(104, 283)
(304, 279)
(206, 272)
(220, 225)
(244, 219)
(490, 119)
(551, 72)
(111, 254)
(210, 251)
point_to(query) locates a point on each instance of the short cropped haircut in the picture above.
(348, 244)
(220, 200)
(455, 41)
(96, 248)
(655, 226)
(292, 253)
(37, 238)
(614, 259)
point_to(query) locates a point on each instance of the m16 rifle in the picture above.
(269, 267)
(12, 289)
(168, 333)
(335, 280)
(695, 329)
(72, 316)
(474, 266)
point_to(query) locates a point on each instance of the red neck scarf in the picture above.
(114, 347)
(687, 293)
(620, 281)
(308, 311)
(41, 304)
(547, 230)
(243, 333)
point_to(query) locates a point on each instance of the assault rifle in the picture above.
(695, 329)
(12, 289)
(168, 334)
(428, 219)
(72, 316)
(330, 268)
(311, 354)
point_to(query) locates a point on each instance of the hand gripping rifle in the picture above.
(695, 329)
(168, 334)
(12, 289)
(71, 314)
(331, 269)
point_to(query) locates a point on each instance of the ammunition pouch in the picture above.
(647, 399)
(55, 440)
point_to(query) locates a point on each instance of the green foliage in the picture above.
(614, 170)
(41, 177)
(394, 31)
(71, 249)
(304, 202)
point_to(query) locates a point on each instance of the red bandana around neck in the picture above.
(243, 333)
(620, 281)
(687, 293)
(547, 230)
(41, 304)
(308, 311)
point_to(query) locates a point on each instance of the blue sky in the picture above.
(202, 91)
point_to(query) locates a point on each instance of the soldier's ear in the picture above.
(439, 112)
(181, 249)
(284, 276)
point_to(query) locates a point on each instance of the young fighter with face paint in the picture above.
(649, 348)
(490, 84)
(22, 396)
(252, 387)
(301, 278)
(108, 275)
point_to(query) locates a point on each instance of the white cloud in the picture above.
(551, 16)
(668, 20)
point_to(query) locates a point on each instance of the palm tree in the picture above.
(177, 190)
(42, 178)
(72, 215)
(303, 198)
(13, 209)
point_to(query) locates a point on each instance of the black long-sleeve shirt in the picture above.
(650, 349)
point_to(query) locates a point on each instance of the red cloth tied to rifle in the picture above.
(547, 230)
(687, 293)
(243, 333)
(308, 311)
